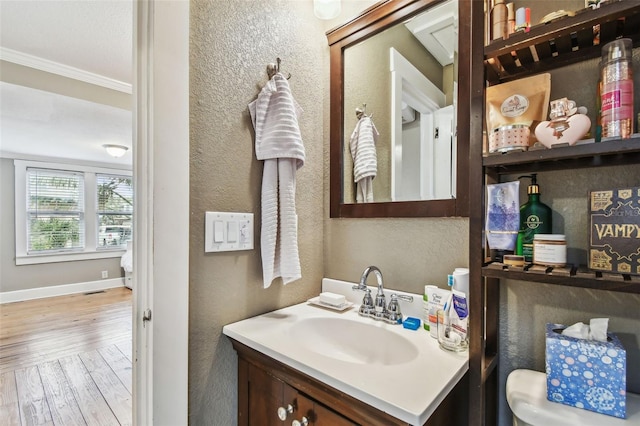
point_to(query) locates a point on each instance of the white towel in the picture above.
(364, 190)
(278, 141)
(365, 160)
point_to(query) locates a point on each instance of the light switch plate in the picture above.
(228, 231)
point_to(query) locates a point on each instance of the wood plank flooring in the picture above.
(67, 360)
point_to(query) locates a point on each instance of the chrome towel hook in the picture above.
(273, 69)
(361, 111)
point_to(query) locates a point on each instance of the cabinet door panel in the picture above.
(327, 417)
(265, 396)
(316, 413)
(303, 406)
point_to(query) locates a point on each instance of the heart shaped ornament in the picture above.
(564, 130)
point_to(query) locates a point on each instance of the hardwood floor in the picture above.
(67, 360)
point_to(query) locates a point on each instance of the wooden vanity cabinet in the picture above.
(266, 394)
(265, 384)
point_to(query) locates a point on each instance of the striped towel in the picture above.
(278, 142)
(365, 160)
(275, 119)
(363, 149)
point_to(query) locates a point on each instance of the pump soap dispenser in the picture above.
(535, 218)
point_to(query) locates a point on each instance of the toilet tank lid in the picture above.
(527, 397)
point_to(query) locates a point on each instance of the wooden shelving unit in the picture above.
(544, 48)
(608, 153)
(561, 42)
(570, 276)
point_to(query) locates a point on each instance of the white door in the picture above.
(161, 179)
(443, 152)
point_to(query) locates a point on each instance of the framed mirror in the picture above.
(399, 93)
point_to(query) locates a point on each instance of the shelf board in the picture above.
(570, 276)
(561, 42)
(608, 153)
(490, 363)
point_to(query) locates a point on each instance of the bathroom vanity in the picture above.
(338, 368)
(266, 386)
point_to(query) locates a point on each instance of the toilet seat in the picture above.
(527, 396)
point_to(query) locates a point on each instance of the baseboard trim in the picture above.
(59, 290)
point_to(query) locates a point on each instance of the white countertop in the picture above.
(410, 391)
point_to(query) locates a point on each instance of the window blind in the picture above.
(114, 210)
(55, 210)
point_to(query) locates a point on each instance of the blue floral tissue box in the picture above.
(586, 373)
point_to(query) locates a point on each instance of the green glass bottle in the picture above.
(535, 218)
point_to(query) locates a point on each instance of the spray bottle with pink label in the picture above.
(617, 89)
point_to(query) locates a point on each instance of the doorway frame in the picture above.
(161, 214)
(409, 85)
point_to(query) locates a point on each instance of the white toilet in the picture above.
(527, 397)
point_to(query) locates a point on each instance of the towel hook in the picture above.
(273, 69)
(361, 111)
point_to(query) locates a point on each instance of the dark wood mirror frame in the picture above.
(373, 20)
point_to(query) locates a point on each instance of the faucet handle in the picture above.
(394, 313)
(404, 297)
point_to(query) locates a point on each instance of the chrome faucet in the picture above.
(368, 307)
(379, 308)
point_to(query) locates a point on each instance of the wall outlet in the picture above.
(105, 274)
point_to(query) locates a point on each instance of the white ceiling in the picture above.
(437, 30)
(93, 39)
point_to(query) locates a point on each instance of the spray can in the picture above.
(617, 89)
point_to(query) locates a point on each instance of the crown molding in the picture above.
(46, 65)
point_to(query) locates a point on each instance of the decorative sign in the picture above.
(614, 244)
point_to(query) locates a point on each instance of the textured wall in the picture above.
(231, 44)
(23, 277)
(410, 252)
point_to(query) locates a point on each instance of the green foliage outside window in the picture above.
(115, 194)
(51, 233)
(55, 208)
(115, 210)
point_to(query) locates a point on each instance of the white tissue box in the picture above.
(332, 299)
(587, 374)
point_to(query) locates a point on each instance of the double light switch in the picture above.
(226, 231)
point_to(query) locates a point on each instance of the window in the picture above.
(115, 210)
(55, 210)
(71, 212)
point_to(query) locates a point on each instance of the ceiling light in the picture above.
(115, 150)
(326, 9)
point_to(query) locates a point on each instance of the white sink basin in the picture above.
(399, 371)
(352, 341)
